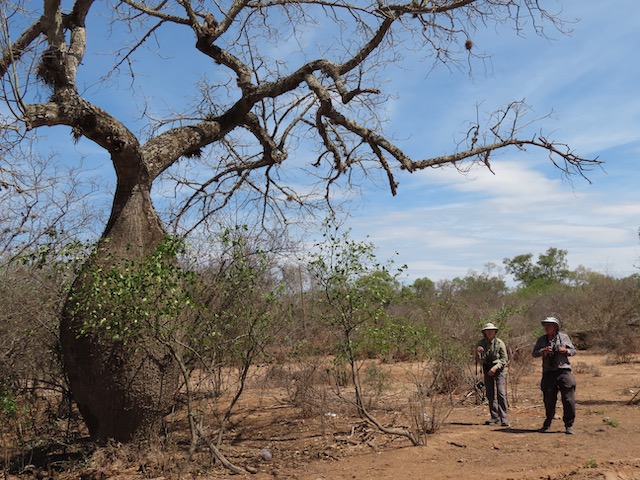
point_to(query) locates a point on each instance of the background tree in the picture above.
(46, 205)
(234, 127)
(550, 269)
(423, 287)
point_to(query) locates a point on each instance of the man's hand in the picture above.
(480, 349)
(492, 371)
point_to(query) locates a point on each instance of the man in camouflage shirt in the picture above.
(492, 351)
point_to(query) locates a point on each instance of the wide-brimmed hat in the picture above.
(552, 320)
(489, 326)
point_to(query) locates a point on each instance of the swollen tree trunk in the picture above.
(122, 389)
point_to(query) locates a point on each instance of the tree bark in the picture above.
(122, 390)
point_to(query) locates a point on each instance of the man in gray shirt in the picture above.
(555, 348)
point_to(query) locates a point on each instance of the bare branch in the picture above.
(12, 52)
(339, 111)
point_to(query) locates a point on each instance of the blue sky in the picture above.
(442, 223)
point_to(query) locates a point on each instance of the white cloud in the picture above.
(485, 218)
(443, 223)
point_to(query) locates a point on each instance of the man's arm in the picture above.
(503, 356)
(538, 347)
(566, 342)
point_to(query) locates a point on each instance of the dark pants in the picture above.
(496, 394)
(564, 382)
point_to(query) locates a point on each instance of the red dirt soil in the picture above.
(337, 446)
(606, 444)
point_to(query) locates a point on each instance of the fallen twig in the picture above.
(455, 444)
(217, 454)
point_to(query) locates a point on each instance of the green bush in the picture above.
(8, 404)
(397, 340)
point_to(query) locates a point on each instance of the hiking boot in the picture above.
(505, 424)
(545, 426)
(569, 431)
(493, 421)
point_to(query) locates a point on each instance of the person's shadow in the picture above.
(526, 430)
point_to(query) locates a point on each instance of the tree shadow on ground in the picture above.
(54, 457)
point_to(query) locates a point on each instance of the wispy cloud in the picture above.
(488, 218)
(443, 223)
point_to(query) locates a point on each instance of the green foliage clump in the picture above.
(355, 287)
(612, 422)
(8, 403)
(398, 340)
(355, 292)
(551, 269)
(123, 300)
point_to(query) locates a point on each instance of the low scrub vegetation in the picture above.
(337, 332)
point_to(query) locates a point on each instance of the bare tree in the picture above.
(233, 136)
(44, 207)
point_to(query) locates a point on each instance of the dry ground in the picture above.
(467, 449)
(606, 444)
(335, 446)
